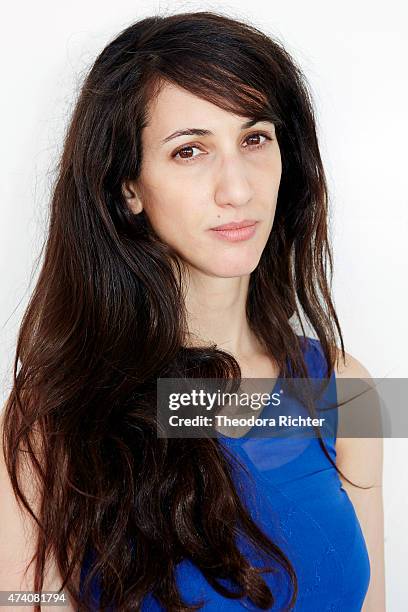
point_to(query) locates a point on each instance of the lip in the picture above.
(235, 225)
(236, 234)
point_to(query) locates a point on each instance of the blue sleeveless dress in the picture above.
(297, 498)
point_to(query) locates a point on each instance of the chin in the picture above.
(234, 269)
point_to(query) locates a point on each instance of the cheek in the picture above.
(173, 219)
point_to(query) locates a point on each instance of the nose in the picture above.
(232, 186)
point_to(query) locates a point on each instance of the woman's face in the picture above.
(191, 183)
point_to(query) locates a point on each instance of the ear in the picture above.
(132, 197)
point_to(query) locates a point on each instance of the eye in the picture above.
(257, 134)
(183, 150)
(249, 146)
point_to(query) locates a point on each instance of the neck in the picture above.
(216, 314)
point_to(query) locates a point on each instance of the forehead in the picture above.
(175, 107)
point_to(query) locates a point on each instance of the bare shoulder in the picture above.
(360, 458)
(350, 368)
(18, 535)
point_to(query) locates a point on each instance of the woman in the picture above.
(185, 124)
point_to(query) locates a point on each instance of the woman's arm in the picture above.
(18, 534)
(361, 460)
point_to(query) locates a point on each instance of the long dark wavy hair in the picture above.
(107, 318)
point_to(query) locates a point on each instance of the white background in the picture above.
(354, 57)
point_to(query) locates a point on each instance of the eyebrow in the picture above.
(202, 132)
